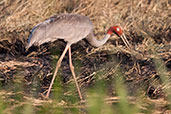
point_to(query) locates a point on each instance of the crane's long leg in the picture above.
(73, 73)
(58, 64)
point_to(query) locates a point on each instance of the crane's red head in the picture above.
(118, 31)
(115, 29)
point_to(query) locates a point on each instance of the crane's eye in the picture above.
(117, 29)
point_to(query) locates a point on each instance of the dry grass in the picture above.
(146, 24)
(136, 17)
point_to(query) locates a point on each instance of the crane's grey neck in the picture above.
(95, 42)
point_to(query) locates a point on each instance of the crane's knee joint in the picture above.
(72, 67)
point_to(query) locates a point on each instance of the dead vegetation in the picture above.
(146, 23)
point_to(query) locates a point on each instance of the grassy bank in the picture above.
(113, 79)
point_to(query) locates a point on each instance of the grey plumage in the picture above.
(70, 27)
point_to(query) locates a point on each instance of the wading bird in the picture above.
(71, 28)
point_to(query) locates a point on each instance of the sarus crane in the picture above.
(71, 28)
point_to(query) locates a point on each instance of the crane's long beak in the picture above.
(125, 40)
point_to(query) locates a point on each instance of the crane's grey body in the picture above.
(70, 27)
